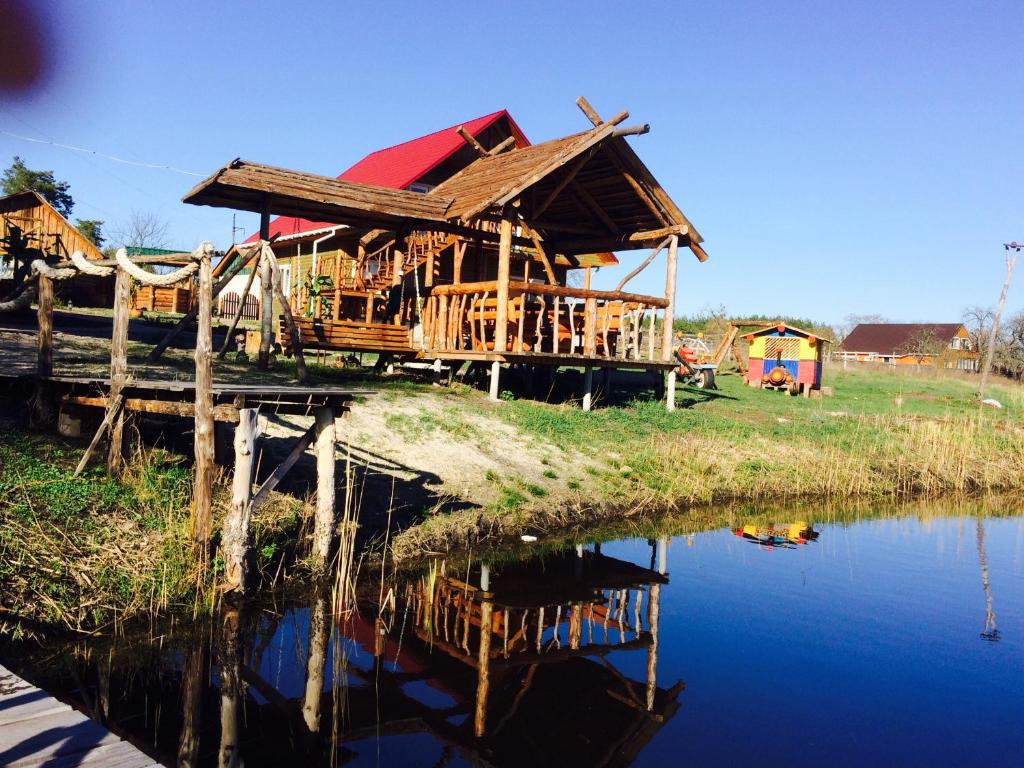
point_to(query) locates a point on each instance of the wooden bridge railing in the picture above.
(547, 319)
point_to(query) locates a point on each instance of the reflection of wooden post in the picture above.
(666, 331)
(192, 680)
(235, 534)
(315, 665)
(483, 679)
(323, 525)
(202, 516)
(653, 615)
(229, 671)
(118, 367)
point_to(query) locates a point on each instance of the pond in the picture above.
(885, 640)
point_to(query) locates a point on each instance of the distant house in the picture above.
(947, 345)
(31, 228)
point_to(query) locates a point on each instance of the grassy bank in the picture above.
(84, 553)
(884, 435)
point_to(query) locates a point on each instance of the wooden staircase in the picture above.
(419, 246)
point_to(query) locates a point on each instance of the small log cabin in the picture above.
(475, 268)
(785, 357)
(31, 228)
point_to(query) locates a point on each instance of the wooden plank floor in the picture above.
(36, 730)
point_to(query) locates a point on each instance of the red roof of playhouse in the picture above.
(399, 166)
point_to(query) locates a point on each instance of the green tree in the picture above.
(20, 178)
(92, 230)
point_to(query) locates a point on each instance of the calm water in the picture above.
(894, 641)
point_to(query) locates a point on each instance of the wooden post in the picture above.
(236, 533)
(590, 327)
(118, 367)
(241, 308)
(202, 493)
(398, 261)
(266, 293)
(42, 408)
(666, 330)
(504, 265)
(588, 388)
(323, 525)
(495, 375)
(428, 274)
(990, 352)
(44, 356)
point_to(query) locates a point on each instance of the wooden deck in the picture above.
(37, 730)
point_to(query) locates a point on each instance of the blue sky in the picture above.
(838, 158)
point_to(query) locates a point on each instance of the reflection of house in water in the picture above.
(778, 535)
(517, 664)
(523, 652)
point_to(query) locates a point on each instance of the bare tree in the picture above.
(922, 345)
(978, 320)
(852, 321)
(143, 229)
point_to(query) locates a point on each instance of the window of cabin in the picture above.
(418, 186)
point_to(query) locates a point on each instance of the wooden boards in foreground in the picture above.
(38, 730)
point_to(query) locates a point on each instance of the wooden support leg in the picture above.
(670, 390)
(588, 388)
(323, 526)
(606, 384)
(495, 376)
(437, 372)
(236, 535)
(266, 314)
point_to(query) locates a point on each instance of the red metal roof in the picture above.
(399, 166)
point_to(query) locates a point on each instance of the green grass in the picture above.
(882, 433)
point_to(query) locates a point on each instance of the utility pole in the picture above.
(990, 352)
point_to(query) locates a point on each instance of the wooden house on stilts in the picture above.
(475, 268)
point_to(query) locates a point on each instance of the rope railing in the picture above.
(161, 281)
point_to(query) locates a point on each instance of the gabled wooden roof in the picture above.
(53, 234)
(584, 192)
(245, 186)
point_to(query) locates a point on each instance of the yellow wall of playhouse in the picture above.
(792, 347)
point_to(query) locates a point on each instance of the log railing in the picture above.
(543, 319)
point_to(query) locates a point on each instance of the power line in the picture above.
(104, 155)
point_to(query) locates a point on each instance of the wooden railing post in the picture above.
(504, 268)
(118, 367)
(590, 327)
(202, 494)
(266, 294)
(42, 409)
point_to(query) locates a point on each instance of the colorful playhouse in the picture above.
(787, 358)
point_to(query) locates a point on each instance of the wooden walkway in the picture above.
(37, 731)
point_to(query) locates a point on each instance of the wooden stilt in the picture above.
(323, 526)
(236, 534)
(202, 493)
(670, 390)
(495, 375)
(666, 330)
(588, 388)
(118, 367)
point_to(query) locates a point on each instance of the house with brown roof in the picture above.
(945, 345)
